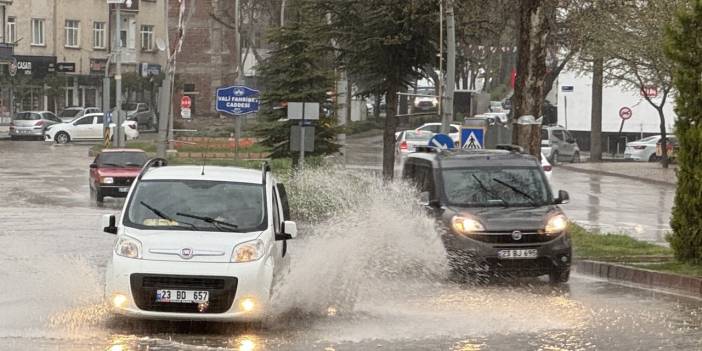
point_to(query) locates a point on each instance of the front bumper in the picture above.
(114, 190)
(228, 284)
(466, 253)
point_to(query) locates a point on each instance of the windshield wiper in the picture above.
(516, 190)
(112, 164)
(489, 192)
(163, 215)
(210, 220)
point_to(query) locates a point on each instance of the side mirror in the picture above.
(563, 197)
(93, 165)
(284, 200)
(108, 224)
(425, 199)
(289, 231)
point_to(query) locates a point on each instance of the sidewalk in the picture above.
(4, 132)
(651, 172)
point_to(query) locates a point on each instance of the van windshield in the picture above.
(173, 204)
(496, 186)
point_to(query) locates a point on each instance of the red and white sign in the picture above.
(185, 102)
(649, 91)
(625, 113)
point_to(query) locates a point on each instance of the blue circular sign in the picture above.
(441, 141)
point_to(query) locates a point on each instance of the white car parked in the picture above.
(642, 150)
(435, 128)
(198, 243)
(88, 127)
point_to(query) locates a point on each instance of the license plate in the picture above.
(123, 189)
(517, 254)
(182, 296)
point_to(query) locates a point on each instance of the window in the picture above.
(84, 121)
(98, 35)
(72, 33)
(100, 120)
(147, 38)
(38, 32)
(11, 29)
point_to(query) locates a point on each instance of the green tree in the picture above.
(386, 44)
(297, 70)
(55, 88)
(684, 49)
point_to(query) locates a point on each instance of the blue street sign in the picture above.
(441, 141)
(237, 100)
(472, 138)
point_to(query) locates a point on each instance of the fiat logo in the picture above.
(186, 253)
(517, 235)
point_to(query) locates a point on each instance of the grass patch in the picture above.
(672, 267)
(365, 125)
(598, 246)
(257, 148)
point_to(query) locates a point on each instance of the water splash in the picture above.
(366, 232)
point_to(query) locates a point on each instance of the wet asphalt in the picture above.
(54, 258)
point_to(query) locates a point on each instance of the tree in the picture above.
(386, 44)
(534, 30)
(635, 45)
(297, 70)
(684, 49)
(55, 88)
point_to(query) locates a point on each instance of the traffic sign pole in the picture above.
(624, 114)
(302, 139)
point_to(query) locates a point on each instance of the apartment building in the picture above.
(71, 41)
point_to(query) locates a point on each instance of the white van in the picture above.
(198, 243)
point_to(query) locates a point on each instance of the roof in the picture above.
(122, 150)
(212, 173)
(477, 158)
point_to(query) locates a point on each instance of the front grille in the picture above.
(123, 181)
(528, 237)
(540, 264)
(221, 290)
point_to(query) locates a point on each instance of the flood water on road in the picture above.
(367, 274)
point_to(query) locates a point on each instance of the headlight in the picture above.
(463, 225)
(107, 180)
(556, 224)
(248, 251)
(128, 247)
(435, 102)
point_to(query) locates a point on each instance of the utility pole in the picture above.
(237, 36)
(119, 139)
(447, 110)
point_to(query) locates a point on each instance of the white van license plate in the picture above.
(517, 254)
(182, 296)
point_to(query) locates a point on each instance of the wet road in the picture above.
(54, 257)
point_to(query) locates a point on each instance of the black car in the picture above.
(496, 211)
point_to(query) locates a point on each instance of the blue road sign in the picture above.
(237, 100)
(441, 141)
(472, 138)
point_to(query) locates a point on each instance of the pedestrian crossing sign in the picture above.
(472, 138)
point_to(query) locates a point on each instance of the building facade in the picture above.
(62, 50)
(208, 59)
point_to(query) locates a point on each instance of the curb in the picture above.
(614, 174)
(685, 285)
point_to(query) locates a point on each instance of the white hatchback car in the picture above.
(198, 243)
(88, 127)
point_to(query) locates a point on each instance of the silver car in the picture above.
(70, 113)
(31, 124)
(140, 112)
(558, 145)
